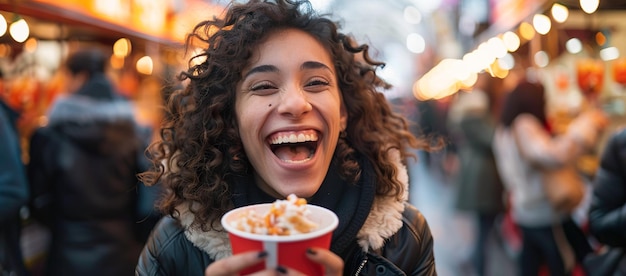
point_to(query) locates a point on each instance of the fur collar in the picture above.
(383, 221)
(85, 110)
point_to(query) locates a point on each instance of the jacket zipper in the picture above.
(358, 271)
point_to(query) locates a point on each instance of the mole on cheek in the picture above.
(270, 105)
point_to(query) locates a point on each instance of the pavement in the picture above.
(432, 192)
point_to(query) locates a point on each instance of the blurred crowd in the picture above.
(76, 207)
(506, 153)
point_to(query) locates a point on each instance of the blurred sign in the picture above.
(113, 10)
(506, 14)
(163, 19)
(146, 16)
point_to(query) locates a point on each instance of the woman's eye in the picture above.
(317, 83)
(262, 86)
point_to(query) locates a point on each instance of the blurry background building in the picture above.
(433, 49)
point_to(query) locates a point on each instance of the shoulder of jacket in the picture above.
(167, 230)
(614, 150)
(409, 250)
(613, 157)
(164, 247)
(415, 229)
(44, 141)
(619, 137)
(416, 222)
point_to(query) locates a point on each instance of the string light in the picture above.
(122, 47)
(559, 12)
(542, 24)
(574, 45)
(19, 30)
(145, 65)
(511, 41)
(3, 25)
(526, 30)
(589, 6)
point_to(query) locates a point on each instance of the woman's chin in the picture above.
(304, 191)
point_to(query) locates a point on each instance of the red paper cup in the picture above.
(287, 251)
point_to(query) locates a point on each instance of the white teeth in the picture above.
(296, 161)
(293, 138)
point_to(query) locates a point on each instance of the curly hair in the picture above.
(200, 149)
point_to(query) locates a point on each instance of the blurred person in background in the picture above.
(82, 172)
(472, 122)
(525, 147)
(607, 213)
(432, 125)
(13, 194)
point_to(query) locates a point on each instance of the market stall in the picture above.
(144, 38)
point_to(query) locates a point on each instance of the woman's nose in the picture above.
(294, 102)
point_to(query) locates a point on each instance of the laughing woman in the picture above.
(275, 70)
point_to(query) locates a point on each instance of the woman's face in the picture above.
(290, 112)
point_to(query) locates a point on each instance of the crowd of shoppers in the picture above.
(526, 149)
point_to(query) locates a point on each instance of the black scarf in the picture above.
(351, 203)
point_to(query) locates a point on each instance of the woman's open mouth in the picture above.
(294, 146)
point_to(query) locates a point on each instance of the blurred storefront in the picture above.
(144, 37)
(435, 48)
(577, 50)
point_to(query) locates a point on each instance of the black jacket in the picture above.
(13, 194)
(83, 177)
(607, 214)
(169, 252)
(392, 238)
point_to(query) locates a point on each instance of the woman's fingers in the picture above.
(284, 271)
(331, 262)
(234, 264)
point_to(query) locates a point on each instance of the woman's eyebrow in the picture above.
(261, 69)
(271, 68)
(314, 65)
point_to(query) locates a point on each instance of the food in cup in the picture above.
(285, 217)
(284, 250)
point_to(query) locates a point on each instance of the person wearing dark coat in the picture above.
(480, 191)
(607, 213)
(82, 172)
(13, 194)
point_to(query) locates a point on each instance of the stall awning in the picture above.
(161, 21)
